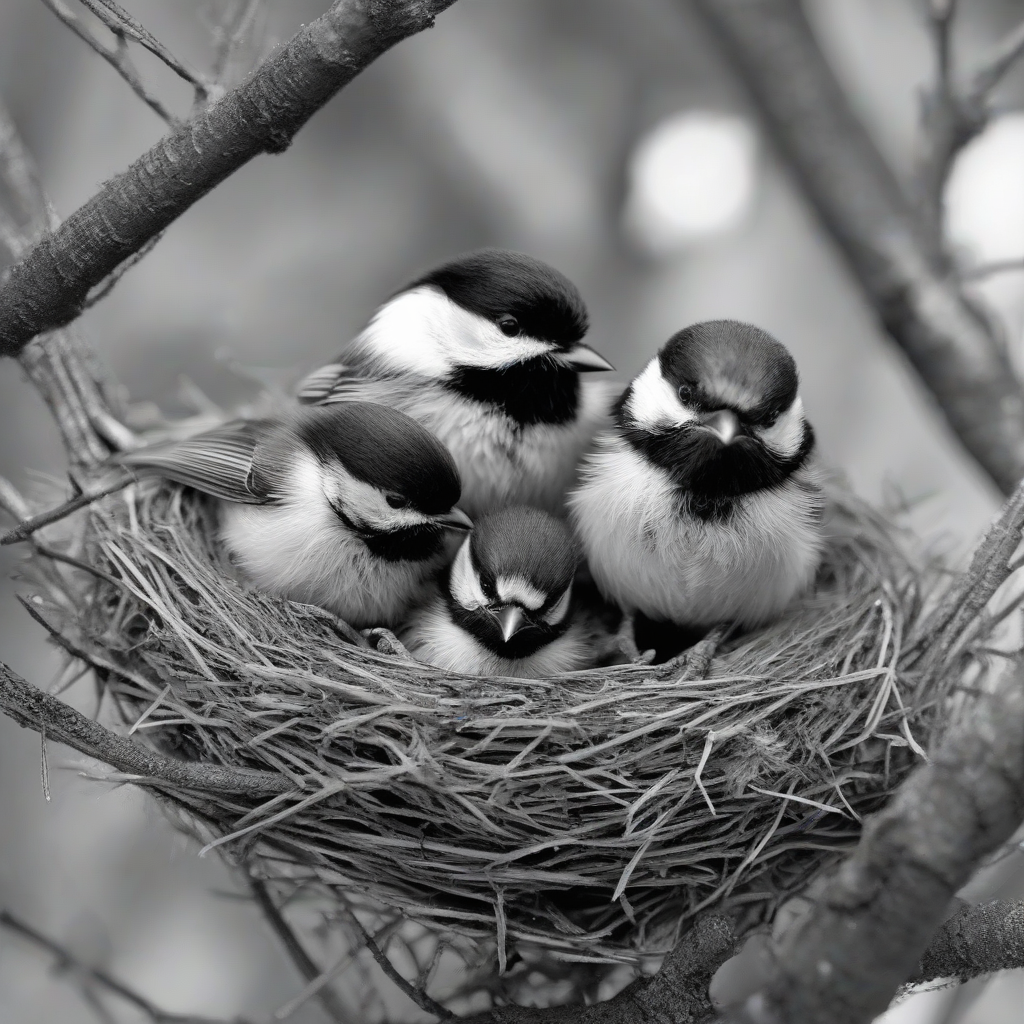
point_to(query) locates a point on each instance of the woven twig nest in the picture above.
(584, 817)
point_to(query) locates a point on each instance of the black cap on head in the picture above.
(386, 449)
(719, 359)
(493, 283)
(528, 543)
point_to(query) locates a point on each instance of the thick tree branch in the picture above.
(872, 920)
(34, 709)
(977, 940)
(860, 202)
(50, 284)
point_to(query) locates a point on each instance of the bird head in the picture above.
(510, 584)
(483, 311)
(386, 478)
(718, 409)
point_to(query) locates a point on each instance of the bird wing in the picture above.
(340, 381)
(217, 462)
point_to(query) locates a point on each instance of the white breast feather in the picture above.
(302, 551)
(647, 556)
(432, 637)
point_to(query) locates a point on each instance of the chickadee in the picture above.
(344, 507)
(700, 505)
(504, 606)
(485, 351)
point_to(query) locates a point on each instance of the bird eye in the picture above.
(685, 394)
(396, 501)
(509, 326)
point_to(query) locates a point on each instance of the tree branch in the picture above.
(50, 284)
(978, 940)
(93, 977)
(296, 951)
(116, 56)
(416, 994)
(863, 207)
(33, 709)
(871, 921)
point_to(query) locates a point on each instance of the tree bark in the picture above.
(978, 940)
(48, 287)
(34, 709)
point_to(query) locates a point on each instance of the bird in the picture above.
(701, 505)
(486, 351)
(347, 507)
(504, 607)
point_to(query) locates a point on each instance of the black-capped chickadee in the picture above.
(485, 351)
(700, 505)
(345, 507)
(504, 607)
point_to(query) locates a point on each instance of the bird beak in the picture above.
(585, 359)
(456, 520)
(511, 619)
(724, 424)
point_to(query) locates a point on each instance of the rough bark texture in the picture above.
(861, 204)
(34, 709)
(48, 287)
(978, 940)
(677, 994)
(871, 922)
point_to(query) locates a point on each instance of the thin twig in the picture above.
(98, 978)
(121, 23)
(230, 35)
(105, 287)
(25, 529)
(116, 56)
(991, 68)
(417, 995)
(18, 171)
(296, 951)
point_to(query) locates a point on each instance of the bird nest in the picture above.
(583, 818)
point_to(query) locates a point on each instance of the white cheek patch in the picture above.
(422, 331)
(557, 612)
(464, 582)
(786, 434)
(516, 590)
(363, 503)
(653, 403)
(408, 333)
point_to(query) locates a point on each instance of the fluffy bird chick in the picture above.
(345, 507)
(504, 607)
(486, 352)
(700, 505)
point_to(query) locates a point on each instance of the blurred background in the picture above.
(610, 139)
